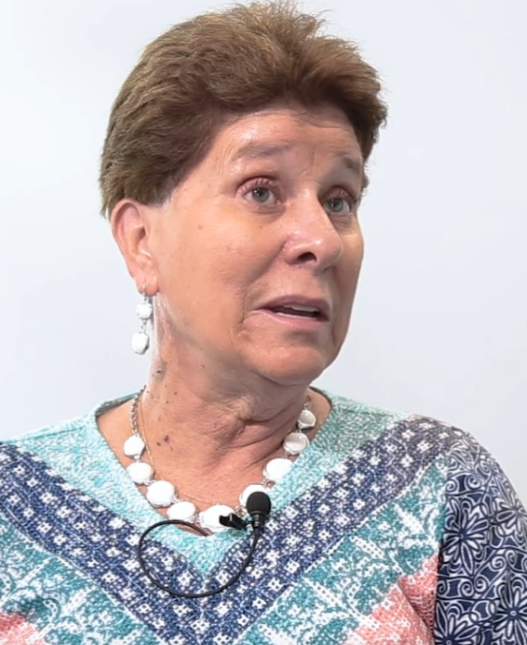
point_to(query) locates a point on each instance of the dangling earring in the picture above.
(145, 312)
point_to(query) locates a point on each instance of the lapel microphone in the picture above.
(258, 507)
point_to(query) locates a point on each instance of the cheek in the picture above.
(348, 272)
(213, 264)
(351, 263)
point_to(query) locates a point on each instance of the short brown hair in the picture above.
(221, 64)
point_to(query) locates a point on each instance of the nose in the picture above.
(312, 237)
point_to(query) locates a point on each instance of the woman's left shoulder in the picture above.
(422, 436)
(440, 478)
(415, 441)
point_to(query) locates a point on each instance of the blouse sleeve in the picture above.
(482, 578)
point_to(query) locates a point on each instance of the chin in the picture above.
(293, 366)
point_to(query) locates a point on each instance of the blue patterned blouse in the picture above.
(389, 529)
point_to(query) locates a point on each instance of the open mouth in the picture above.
(298, 311)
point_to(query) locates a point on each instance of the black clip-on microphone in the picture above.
(258, 506)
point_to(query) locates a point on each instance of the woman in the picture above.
(232, 173)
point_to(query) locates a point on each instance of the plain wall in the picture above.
(440, 322)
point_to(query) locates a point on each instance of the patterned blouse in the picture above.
(389, 529)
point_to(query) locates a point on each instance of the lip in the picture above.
(304, 301)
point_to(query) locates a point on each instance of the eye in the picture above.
(262, 195)
(262, 192)
(340, 205)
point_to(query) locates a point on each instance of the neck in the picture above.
(200, 427)
(208, 439)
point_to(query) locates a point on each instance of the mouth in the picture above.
(299, 308)
(295, 311)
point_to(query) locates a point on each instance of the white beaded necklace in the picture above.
(162, 494)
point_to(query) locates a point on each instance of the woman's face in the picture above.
(257, 253)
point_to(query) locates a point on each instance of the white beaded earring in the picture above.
(145, 313)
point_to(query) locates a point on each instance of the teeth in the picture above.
(298, 310)
(301, 308)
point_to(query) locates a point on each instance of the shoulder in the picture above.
(482, 572)
(55, 431)
(64, 443)
(364, 425)
(465, 471)
(67, 431)
(59, 447)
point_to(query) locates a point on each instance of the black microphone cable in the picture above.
(258, 506)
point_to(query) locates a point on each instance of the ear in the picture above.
(129, 222)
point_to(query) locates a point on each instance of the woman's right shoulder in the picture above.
(51, 432)
(69, 430)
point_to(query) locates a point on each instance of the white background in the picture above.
(440, 323)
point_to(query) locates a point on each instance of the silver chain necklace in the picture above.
(163, 494)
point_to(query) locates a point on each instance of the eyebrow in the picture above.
(267, 150)
(259, 150)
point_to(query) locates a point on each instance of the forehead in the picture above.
(277, 130)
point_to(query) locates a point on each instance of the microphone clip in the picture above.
(232, 521)
(258, 507)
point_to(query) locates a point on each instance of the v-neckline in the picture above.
(201, 552)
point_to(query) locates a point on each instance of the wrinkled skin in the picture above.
(270, 212)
